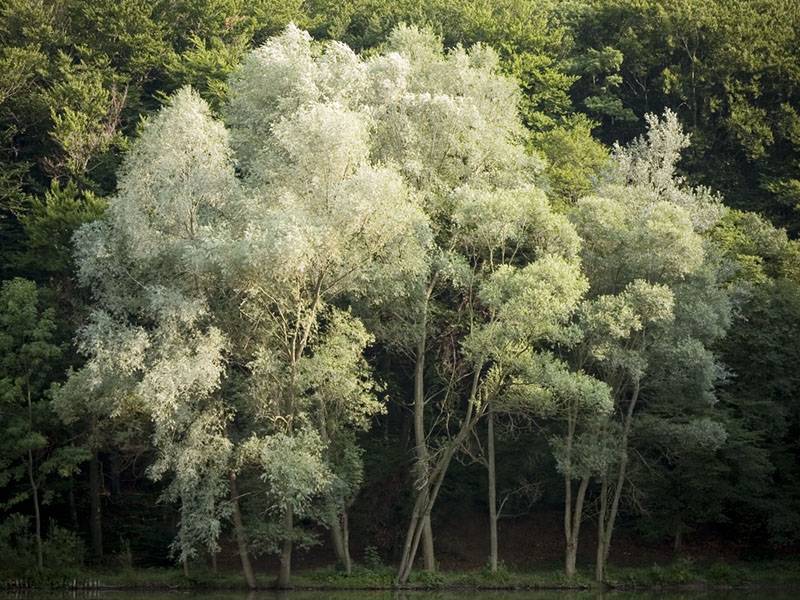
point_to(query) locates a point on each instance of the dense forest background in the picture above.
(79, 77)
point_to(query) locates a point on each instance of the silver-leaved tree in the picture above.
(245, 264)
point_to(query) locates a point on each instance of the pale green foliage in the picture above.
(499, 224)
(623, 240)
(195, 269)
(648, 166)
(447, 119)
(293, 467)
(529, 305)
(321, 222)
(544, 385)
(338, 374)
(200, 462)
(174, 184)
(278, 79)
(591, 451)
(653, 312)
(150, 345)
(615, 326)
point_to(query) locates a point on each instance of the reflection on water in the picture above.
(404, 595)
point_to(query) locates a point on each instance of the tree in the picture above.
(648, 311)
(27, 354)
(249, 332)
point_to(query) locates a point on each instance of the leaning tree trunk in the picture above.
(599, 565)
(285, 572)
(241, 538)
(421, 447)
(490, 465)
(424, 501)
(610, 516)
(572, 521)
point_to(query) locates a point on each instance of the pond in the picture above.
(409, 595)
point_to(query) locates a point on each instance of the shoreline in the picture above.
(679, 576)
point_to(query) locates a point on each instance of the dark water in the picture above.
(388, 595)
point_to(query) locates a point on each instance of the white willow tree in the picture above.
(503, 276)
(644, 255)
(151, 342)
(326, 223)
(222, 294)
(308, 123)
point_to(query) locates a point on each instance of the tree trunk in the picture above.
(348, 563)
(424, 502)
(95, 509)
(214, 566)
(241, 539)
(678, 543)
(574, 529)
(613, 509)
(36, 512)
(73, 507)
(421, 447)
(285, 572)
(492, 496)
(340, 542)
(599, 565)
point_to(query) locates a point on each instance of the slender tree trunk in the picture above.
(492, 495)
(421, 447)
(95, 509)
(424, 502)
(571, 558)
(185, 563)
(241, 539)
(570, 537)
(214, 565)
(37, 515)
(569, 551)
(285, 572)
(678, 542)
(34, 487)
(613, 507)
(348, 564)
(73, 507)
(599, 565)
(422, 508)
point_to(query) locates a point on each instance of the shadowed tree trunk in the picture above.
(424, 501)
(241, 538)
(608, 514)
(492, 495)
(421, 446)
(285, 572)
(95, 508)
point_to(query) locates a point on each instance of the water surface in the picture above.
(408, 595)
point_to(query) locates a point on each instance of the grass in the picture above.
(679, 574)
